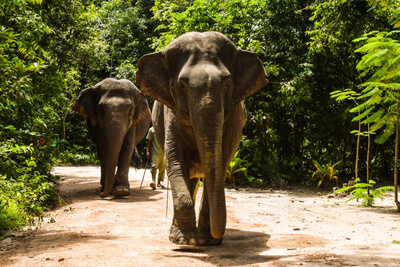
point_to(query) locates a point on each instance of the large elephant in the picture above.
(118, 117)
(199, 82)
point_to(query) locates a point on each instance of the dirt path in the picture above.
(265, 228)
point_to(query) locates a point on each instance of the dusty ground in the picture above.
(265, 228)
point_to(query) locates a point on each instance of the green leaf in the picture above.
(357, 132)
(378, 125)
(373, 92)
(389, 130)
(239, 170)
(360, 107)
(375, 99)
(362, 115)
(339, 93)
(342, 97)
(385, 188)
(360, 39)
(319, 167)
(375, 117)
(371, 58)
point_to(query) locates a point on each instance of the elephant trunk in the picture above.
(114, 138)
(208, 131)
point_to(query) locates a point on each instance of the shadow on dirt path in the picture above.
(251, 244)
(264, 228)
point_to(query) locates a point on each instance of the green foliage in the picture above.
(235, 166)
(338, 21)
(325, 174)
(51, 50)
(381, 61)
(78, 155)
(45, 47)
(365, 191)
(26, 186)
(291, 120)
(336, 24)
(238, 19)
(126, 28)
(273, 29)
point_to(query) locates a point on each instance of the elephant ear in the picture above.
(250, 76)
(152, 77)
(85, 105)
(142, 110)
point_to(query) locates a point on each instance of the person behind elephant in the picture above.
(118, 117)
(199, 82)
(155, 153)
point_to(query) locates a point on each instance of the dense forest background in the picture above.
(51, 50)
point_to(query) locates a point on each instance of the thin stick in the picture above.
(145, 167)
(396, 158)
(166, 209)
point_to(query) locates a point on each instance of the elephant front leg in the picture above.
(183, 229)
(121, 185)
(102, 169)
(204, 237)
(102, 177)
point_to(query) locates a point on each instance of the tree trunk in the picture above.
(368, 153)
(358, 150)
(396, 158)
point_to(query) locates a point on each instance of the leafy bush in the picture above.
(70, 158)
(26, 185)
(325, 174)
(365, 191)
(237, 165)
(78, 155)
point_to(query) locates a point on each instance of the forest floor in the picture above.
(264, 228)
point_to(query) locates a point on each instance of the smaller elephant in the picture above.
(118, 117)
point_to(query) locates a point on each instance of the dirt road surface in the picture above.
(264, 228)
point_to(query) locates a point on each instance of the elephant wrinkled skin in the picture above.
(199, 82)
(118, 117)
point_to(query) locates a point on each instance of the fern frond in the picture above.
(375, 117)
(362, 115)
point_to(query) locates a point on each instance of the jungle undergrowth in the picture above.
(360, 191)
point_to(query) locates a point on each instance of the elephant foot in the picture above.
(121, 191)
(204, 238)
(182, 237)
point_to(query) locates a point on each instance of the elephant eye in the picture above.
(227, 86)
(183, 85)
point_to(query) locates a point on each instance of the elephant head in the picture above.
(202, 78)
(113, 108)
